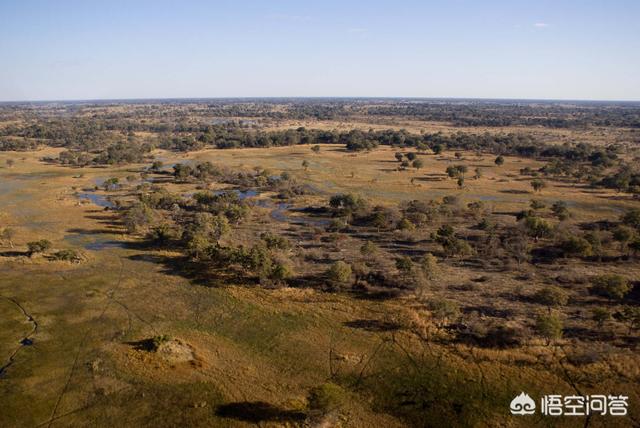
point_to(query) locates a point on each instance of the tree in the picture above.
(6, 235)
(518, 247)
(612, 286)
(138, 217)
(537, 228)
(549, 326)
(399, 156)
(631, 315)
(157, 165)
(368, 249)
(305, 165)
(623, 234)
(443, 310)
(499, 160)
(315, 149)
(405, 224)
(478, 173)
(10, 163)
(600, 316)
(161, 234)
(551, 297)
(635, 246)
(437, 149)
(632, 218)
(326, 398)
(576, 246)
(404, 264)
(417, 164)
(339, 273)
(536, 204)
(411, 156)
(458, 155)
(460, 182)
(538, 184)
(206, 230)
(429, 266)
(560, 210)
(40, 246)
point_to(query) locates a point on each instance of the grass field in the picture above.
(249, 355)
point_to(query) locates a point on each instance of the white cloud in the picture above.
(540, 25)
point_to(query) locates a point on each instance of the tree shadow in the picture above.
(258, 411)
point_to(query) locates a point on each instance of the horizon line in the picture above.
(144, 99)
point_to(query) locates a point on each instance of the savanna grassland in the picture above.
(349, 263)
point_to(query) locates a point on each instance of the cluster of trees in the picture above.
(17, 145)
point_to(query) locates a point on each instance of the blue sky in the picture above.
(62, 49)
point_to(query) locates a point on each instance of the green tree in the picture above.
(6, 235)
(549, 326)
(499, 160)
(623, 234)
(551, 297)
(41, 246)
(339, 273)
(538, 184)
(600, 316)
(632, 218)
(537, 228)
(417, 164)
(576, 246)
(613, 286)
(404, 264)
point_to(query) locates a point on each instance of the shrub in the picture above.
(40, 246)
(551, 296)
(339, 273)
(576, 246)
(443, 310)
(632, 218)
(368, 249)
(67, 255)
(158, 341)
(549, 326)
(326, 398)
(600, 316)
(538, 184)
(614, 287)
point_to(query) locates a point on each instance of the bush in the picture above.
(158, 341)
(600, 316)
(68, 256)
(339, 273)
(551, 296)
(576, 246)
(326, 398)
(614, 287)
(443, 309)
(549, 326)
(38, 246)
